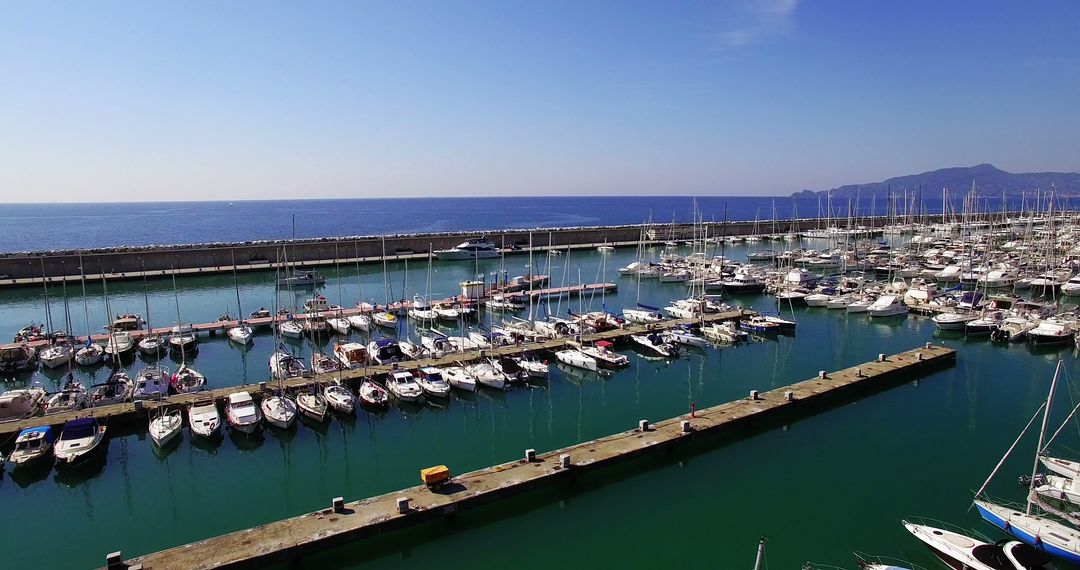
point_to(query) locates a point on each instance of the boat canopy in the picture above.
(604, 344)
(80, 428)
(648, 307)
(45, 432)
(385, 342)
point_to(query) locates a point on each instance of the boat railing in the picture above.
(932, 522)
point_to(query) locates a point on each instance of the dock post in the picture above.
(929, 345)
(403, 505)
(753, 394)
(643, 425)
(114, 560)
(821, 375)
(564, 460)
(338, 504)
(139, 405)
(530, 455)
(685, 425)
(262, 385)
(881, 357)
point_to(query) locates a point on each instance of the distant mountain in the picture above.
(989, 180)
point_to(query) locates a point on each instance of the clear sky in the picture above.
(231, 99)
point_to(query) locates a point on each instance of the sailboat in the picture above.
(152, 344)
(90, 354)
(240, 334)
(1032, 526)
(165, 425)
(186, 379)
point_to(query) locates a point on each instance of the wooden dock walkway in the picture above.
(138, 411)
(289, 539)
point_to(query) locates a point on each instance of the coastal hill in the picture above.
(989, 180)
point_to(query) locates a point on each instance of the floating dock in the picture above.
(138, 411)
(343, 523)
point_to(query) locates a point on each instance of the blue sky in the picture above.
(233, 100)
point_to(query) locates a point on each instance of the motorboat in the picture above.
(284, 365)
(291, 328)
(792, 295)
(18, 357)
(970, 300)
(165, 426)
(960, 551)
(759, 324)
(241, 412)
(351, 355)
(204, 419)
(685, 336)
(1058, 488)
(116, 390)
(446, 312)
(643, 314)
(509, 367)
(1013, 329)
(784, 324)
(119, 344)
(79, 440)
(954, 321)
(32, 445)
(421, 310)
(339, 398)
(842, 301)
(433, 383)
(312, 404)
(316, 304)
(532, 366)
(996, 279)
(486, 375)
(279, 410)
(72, 397)
(505, 304)
(469, 249)
(385, 351)
(576, 358)
(984, 325)
(372, 394)
(403, 386)
(21, 403)
(151, 383)
(1051, 332)
(727, 332)
(187, 380)
(601, 351)
(459, 378)
(182, 339)
(1071, 288)
(654, 342)
(887, 306)
(820, 298)
(858, 306)
(314, 324)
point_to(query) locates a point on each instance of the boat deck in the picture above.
(289, 539)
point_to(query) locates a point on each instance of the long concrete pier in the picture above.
(138, 411)
(343, 523)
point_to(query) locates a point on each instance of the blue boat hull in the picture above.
(1029, 539)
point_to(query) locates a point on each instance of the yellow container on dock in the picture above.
(435, 475)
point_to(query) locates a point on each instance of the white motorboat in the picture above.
(323, 364)
(340, 398)
(446, 312)
(316, 304)
(421, 310)
(504, 304)
(403, 386)
(242, 413)
(165, 426)
(385, 351)
(469, 249)
(960, 551)
(433, 383)
(1051, 332)
(727, 332)
(792, 295)
(32, 445)
(684, 336)
(79, 440)
(384, 319)
(1013, 329)
(301, 279)
(284, 365)
(532, 366)
(1059, 488)
(841, 302)
(204, 419)
(602, 352)
(152, 345)
(117, 389)
(954, 321)
(643, 314)
(459, 378)
(187, 380)
(818, 299)
(655, 343)
(312, 404)
(72, 397)
(151, 383)
(984, 325)
(21, 403)
(887, 306)
(279, 410)
(486, 375)
(576, 358)
(351, 355)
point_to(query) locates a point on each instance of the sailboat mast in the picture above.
(760, 554)
(1042, 431)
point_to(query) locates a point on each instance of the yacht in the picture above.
(470, 249)
(742, 282)
(954, 321)
(242, 413)
(79, 439)
(433, 383)
(301, 279)
(403, 386)
(204, 419)
(887, 306)
(385, 351)
(960, 551)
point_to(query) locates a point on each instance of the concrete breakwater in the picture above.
(30, 268)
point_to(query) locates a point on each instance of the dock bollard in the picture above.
(403, 505)
(114, 560)
(789, 396)
(929, 345)
(262, 385)
(753, 394)
(564, 460)
(685, 424)
(139, 405)
(339, 504)
(530, 455)
(643, 425)
(881, 357)
(821, 375)
(918, 357)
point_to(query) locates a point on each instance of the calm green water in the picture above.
(821, 488)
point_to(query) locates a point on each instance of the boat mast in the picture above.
(760, 553)
(1042, 433)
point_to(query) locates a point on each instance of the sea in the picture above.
(44, 227)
